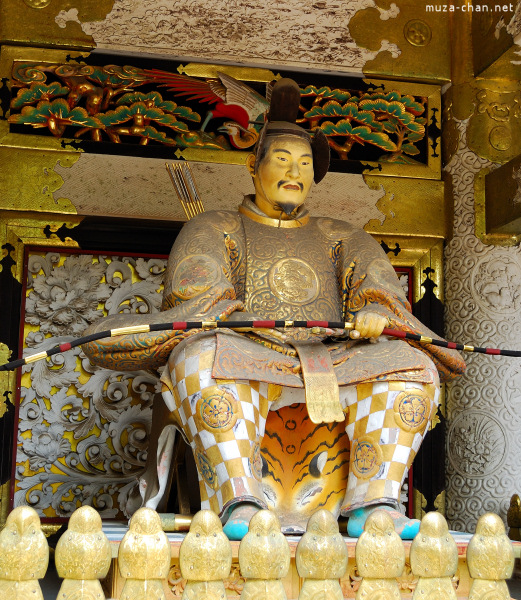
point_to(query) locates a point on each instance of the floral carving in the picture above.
(496, 284)
(65, 302)
(83, 430)
(477, 444)
(46, 444)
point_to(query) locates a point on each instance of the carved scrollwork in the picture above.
(83, 430)
(481, 299)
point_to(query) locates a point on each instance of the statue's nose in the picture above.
(293, 169)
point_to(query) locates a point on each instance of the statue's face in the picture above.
(284, 176)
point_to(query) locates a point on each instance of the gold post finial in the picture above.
(24, 555)
(380, 558)
(205, 558)
(144, 557)
(264, 558)
(83, 556)
(434, 559)
(321, 558)
(490, 557)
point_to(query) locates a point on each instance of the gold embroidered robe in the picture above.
(242, 263)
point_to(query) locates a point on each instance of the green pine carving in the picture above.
(134, 120)
(150, 133)
(55, 115)
(115, 117)
(410, 149)
(349, 111)
(361, 135)
(154, 99)
(38, 91)
(388, 120)
(326, 92)
(171, 122)
(184, 112)
(408, 101)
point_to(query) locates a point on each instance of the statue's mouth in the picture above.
(291, 186)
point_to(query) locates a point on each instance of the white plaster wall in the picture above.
(141, 188)
(310, 34)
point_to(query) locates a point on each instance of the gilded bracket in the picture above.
(421, 40)
(486, 200)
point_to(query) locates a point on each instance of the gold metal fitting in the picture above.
(35, 357)
(209, 324)
(175, 522)
(130, 330)
(288, 323)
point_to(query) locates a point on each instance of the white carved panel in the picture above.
(483, 301)
(82, 430)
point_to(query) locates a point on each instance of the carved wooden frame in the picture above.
(432, 93)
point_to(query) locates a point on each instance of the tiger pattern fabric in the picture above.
(305, 466)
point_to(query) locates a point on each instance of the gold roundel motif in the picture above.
(367, 458)
(293, 281)
(216, 410)
(500, 137)
(37, 3)
(417, 32)
(412, 410)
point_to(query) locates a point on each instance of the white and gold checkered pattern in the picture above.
(223, 421)
(386, 423)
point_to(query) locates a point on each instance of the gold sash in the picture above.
(320, 382)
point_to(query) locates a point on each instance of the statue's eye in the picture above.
(317, 464)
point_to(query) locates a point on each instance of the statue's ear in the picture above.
(250, 164)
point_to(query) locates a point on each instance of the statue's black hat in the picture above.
(284, 104)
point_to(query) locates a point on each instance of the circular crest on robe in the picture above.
(206, 470)
(292, 280)
(194, 275)
(216, 410)
(412, 410)
(367, 458)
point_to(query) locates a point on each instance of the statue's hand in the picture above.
(369, 324)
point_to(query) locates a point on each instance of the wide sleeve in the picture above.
(369, 282)
(197, 285)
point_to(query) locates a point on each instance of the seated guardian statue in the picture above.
(270, 260)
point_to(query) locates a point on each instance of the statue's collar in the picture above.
(249, 209)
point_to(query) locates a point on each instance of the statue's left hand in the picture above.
(369, 324)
